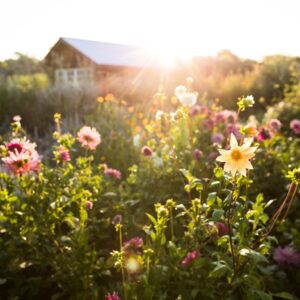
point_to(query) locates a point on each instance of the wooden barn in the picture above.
(113, 67)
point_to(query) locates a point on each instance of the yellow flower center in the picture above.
(236, 154)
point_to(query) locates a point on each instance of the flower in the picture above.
(180, 90)
(147, 151)
(197, 154)
(133, 245)
(235, 129)
(113, 173)
(222, 228)
(159, 115)
(263, 135)
(191, 256)
(286, 255)
(89, 138)
(64, 154)
(250, 130)
(237, 158)
(21, 156)
(274, 125)
(188, 99)
(113, 296)
(89, 205)
(295, 126)
(217, 138)
(117, 219)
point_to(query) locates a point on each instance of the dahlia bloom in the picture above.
(113, 173)
(113, 296)
(21, 156)
(133, 245)
(64, 154)
(263, 135)
(237, 158)
(222, 228)
(191, 256)
(197, 154)
(287, 256)
(274, 125)
(295, 126)
(217, 138)
(89, 138)
(147, 151)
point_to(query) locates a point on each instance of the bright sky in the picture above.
(249, 28)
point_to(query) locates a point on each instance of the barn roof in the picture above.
(114, 54)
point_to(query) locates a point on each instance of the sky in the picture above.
(249, 28)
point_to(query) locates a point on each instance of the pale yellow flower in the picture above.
(237, 158)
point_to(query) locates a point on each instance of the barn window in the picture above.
(73, 76)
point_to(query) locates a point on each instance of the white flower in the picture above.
(159, 114)
(188, 99)
(157, 161)
(180, 89)
(137, 140)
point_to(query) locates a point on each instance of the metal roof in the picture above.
(114, 54)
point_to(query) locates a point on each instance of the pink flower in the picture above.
(222, 228)
(117, 219)
(89, 205)
(113, 173)
(274, 125)
(235, 129)
(208, 123)
(295, 126)
(64, 154)
(286, 255)
(226, 116)
(191, 256)
(21, 156)
(217, 138)
(89, 138)
(197, 154)
(147, 151)
(263, 135)
(113, 296)
(17, 163)
(133, 244)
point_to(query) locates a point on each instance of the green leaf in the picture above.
(220, 270)
(253, 255)
(285, 295)
(217, 214)
(151, 218)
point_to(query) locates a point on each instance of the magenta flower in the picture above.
(217, 138)
(274, 125)
(64, 154)
(89, 138)
(133, 245)
(286, 256)
(226, 116)
(295, 126)
(113, 173)
(222, 228)
(147, 151)
(209, 124)
(191, 256)
(197, 154)
(113, 296)
(263, 135)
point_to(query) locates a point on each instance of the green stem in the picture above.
(172, 224)
(122, 260)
